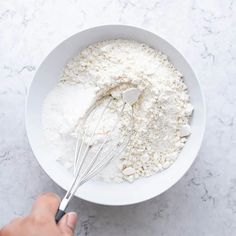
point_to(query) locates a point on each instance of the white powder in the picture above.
(161, 115)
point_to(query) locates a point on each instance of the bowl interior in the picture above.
(47, 77)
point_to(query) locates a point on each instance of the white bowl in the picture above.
(47, 77)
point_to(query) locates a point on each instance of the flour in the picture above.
(160, 117)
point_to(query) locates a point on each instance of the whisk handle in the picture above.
(59, 215)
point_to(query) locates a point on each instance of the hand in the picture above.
(41, 220)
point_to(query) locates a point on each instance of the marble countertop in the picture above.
(201, 203)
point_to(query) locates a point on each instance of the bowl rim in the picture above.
(203, 127)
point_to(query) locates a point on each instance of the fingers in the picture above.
(16, 220)
(67, 224)
(46, 205)
(12, 227)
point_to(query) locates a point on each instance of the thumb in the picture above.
(67, 224)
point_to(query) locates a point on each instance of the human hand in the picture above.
(41, 220)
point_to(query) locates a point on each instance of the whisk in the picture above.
(82, 172)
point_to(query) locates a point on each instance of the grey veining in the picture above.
(204, 201)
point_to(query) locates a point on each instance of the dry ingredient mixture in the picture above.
(160, 116)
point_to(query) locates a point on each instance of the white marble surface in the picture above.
(204, 201)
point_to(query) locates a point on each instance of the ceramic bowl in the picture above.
(47, 77)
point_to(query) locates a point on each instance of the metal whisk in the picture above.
(82, 172)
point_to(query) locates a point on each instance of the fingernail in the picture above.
(51, 195)
(71, 220)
